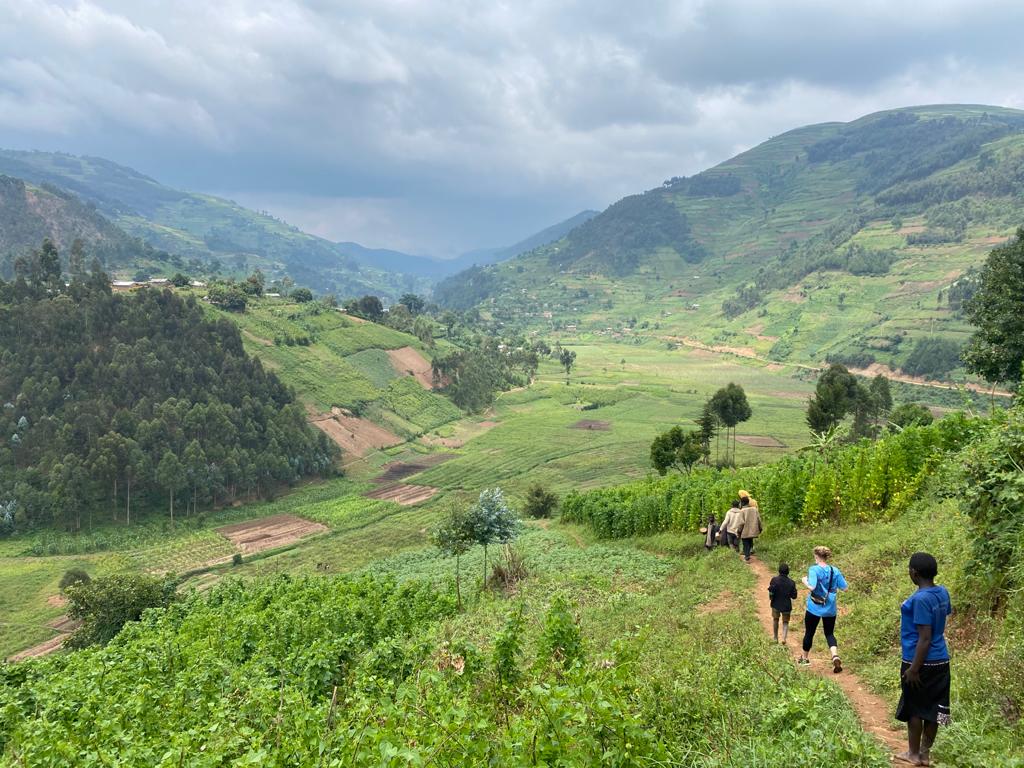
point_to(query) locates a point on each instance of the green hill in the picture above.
(336, 361)
(841, 240)
(205, 228)
(30, 213)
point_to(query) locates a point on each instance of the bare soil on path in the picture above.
(63, 625)
(872, 711)
(760, 441)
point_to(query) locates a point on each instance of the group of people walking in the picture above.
(740, 526)
(924, 669)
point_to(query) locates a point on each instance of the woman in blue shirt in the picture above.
(824, 582)
(924, 673)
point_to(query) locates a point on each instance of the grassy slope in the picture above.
(784, 198)
(643, 607)
(29, 213)
(345, 364)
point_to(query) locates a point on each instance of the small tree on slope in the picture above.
(492, 522)
(454, 537)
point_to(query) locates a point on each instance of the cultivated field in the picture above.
(269, 532)
(631, 391)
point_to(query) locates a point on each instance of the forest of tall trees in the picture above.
(118, 403)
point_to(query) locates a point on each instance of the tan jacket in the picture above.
(748, 523)
(731, 520)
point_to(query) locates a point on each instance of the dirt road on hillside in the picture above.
(874, 713)
(748, 354)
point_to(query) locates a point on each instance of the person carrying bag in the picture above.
(824, 582)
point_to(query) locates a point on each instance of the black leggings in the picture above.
(828, 623)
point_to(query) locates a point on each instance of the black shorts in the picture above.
(928, 701)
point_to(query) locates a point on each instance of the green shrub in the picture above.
(73, 576)
(540, 502)
(106, 604)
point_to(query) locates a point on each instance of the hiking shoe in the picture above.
(837, 665)
(802, 662)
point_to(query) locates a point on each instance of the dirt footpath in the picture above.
(63, 625)
(874, 713)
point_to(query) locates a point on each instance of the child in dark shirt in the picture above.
(782, 592)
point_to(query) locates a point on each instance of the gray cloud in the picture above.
(442, 126)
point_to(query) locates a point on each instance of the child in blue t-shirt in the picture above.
(924, 673)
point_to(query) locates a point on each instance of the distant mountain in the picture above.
(393, 261)
(204, 228)
(845, 241)
(30, 213)
(436, 268)
(485, 256)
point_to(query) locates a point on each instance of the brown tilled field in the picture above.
(601, 426)
(406, 495)
(355, 436)
(408, 360)
(398, 470)
(269, 532)
(760, 441)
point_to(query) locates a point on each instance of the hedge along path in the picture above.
(872, 711)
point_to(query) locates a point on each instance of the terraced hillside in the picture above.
(842, 240)
(351, 374)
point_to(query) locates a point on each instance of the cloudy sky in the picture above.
(435, 127)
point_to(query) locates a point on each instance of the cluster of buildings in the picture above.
(155, 282)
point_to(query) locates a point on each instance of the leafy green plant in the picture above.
(561, 642)
(508, 650)
(866, 480)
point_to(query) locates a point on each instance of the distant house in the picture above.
(273, 295)
(197, 284)
(159, 281)
(123, 285)
(570, 327)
